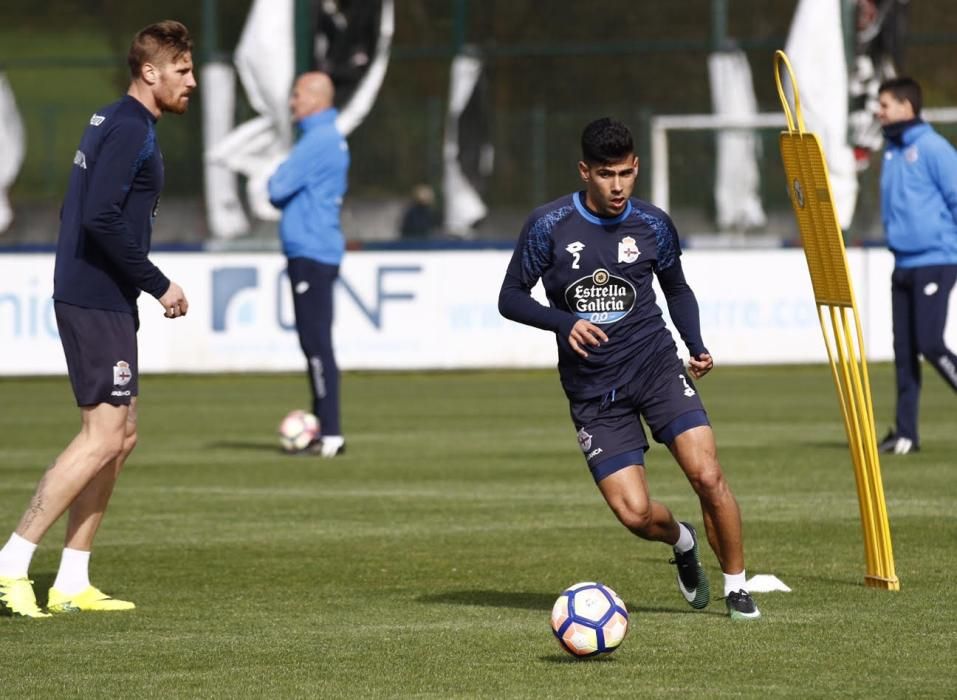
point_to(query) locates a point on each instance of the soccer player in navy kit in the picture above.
(102, 264)
(595, 253)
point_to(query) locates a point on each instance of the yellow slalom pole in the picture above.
(809, 188)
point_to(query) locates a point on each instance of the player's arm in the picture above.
(109, 183)
(293, 174)
(683, 308)
(515, 301)
(943, 166)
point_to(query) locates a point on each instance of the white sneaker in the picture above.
(897, 444)
(331, 445)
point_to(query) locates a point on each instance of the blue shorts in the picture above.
(100, 349)
(610, 432)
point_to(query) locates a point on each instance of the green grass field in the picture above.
(425, 561)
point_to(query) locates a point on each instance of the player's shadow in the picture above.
(524, 600)
(259, 445)
(835, 580)
(493, 599)
(41, 586)
(823, 444)
(568, 659)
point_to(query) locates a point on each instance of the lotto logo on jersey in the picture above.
(600, 297)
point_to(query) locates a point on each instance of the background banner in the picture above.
(414, 310)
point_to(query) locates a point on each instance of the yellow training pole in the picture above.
(810, 192)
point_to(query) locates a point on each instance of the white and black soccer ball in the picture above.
(297, 430)
(589, 619)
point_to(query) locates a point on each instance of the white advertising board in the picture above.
(429, 310)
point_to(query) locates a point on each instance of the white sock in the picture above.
(15, 557)
(685, 539)
(735, 582)
(74, 573)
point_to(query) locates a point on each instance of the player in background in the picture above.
(102, 264)
(309, 187)
(919, 209)
(595, 252)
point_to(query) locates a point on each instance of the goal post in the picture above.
(809, 190)
(661, 126)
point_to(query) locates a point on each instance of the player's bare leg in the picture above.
(88, 508)
(697, 454)
(99, 442)
(626, 493)
(72, 590)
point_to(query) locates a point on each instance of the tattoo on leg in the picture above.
(36, 506)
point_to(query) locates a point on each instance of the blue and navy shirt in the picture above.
(919, 198)
(309, 187)
(107, 217)
(601, 270)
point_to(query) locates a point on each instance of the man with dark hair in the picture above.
(102, 264)
(309, 187)
(596, 252)
(919, 209)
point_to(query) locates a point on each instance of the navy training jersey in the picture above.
(601, 270)
(107, 217)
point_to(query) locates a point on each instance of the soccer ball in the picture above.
(297, 430)
(588, 619)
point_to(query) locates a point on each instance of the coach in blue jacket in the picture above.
(309, 187)
(919, 209)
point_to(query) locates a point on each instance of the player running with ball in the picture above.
(596, 252)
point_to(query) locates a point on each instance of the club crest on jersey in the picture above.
(627, 250)
(584, 440)
(600, 297)
(121, 373)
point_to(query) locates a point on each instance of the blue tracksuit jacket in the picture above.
(309, 187)
(919, 198)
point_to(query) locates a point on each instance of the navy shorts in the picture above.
(100, 350)
(610, 432)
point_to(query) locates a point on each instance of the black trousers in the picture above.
(919, 299)
(312, 288)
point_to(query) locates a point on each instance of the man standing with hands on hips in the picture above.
(309, 187)
(102, 264)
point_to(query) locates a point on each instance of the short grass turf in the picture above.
(424, 562)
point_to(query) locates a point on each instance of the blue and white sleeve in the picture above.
(531, 258)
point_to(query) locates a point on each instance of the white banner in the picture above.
(13, 144)
(815, 47)
(737, 189)
(463, 204)
(433, 310)
(224, 209)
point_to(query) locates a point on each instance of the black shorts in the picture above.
(100, 350)
(610, 433)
